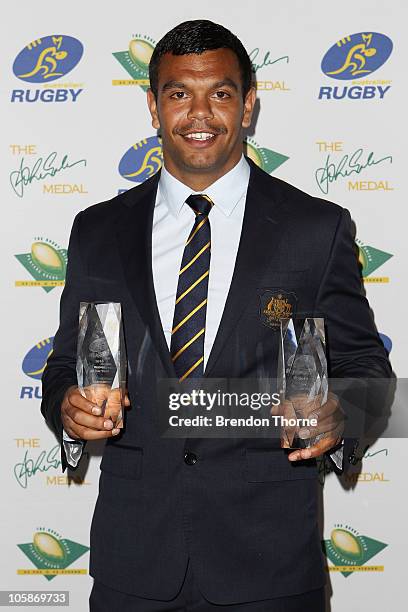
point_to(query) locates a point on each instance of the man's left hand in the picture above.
(329, 428)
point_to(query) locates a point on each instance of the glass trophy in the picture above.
(101, 358)
(302, 379)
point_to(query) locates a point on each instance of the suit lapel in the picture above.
(261, 231)
(134, 236)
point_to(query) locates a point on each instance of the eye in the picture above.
(178, 95)
(221, 95)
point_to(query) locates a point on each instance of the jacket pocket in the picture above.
(123, 461)
(273, 465)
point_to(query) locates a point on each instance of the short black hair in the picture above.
(198, 36)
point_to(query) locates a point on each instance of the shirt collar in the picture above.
(225, 192)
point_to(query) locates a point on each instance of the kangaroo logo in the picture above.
(47, 59)
(142, 160)
(357, 55)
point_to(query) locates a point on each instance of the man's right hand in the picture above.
(80, 417)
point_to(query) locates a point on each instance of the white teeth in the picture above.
(200, 136)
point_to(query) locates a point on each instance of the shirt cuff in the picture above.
(337, 456)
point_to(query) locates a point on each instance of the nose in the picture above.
(200, 108)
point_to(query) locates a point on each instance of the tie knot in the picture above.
(201, 204)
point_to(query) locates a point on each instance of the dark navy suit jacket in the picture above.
(242, 512)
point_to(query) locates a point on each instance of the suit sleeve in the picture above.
(355, 350)
(60, 372)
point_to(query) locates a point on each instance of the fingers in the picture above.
(330, 407)
(87, 420)
(326, 426)
(277, 409)
(322, 446)
(331, 418)
(97, 393)
(326, 433)
(80, 415)
(113, 408)
(76, 399)
(85, 433)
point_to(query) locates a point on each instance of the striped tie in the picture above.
(187, 335)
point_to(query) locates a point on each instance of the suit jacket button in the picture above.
(190, 458)
(352, 459)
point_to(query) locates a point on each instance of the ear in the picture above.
(249, 104)
(151, 103)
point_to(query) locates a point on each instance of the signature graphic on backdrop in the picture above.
(324, 466)
(349, 551)
(47, 59)
(46, 263)
(36, 359)
(51, 554)
(42, 168)
(262, 60)
(357, 55)
(30, 466)
(135, 60)
(347, 165)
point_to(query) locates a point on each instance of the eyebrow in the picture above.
(179, 85)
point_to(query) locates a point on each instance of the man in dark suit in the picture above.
(198, 523)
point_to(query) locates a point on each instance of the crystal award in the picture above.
(302, 379)
(101, 358)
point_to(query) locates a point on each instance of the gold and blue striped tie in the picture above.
(188, 331)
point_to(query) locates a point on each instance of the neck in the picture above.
(199, 180)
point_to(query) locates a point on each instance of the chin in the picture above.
(201, 162)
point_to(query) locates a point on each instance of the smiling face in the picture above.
(200, 112)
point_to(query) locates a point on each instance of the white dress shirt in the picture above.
(173, 220)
